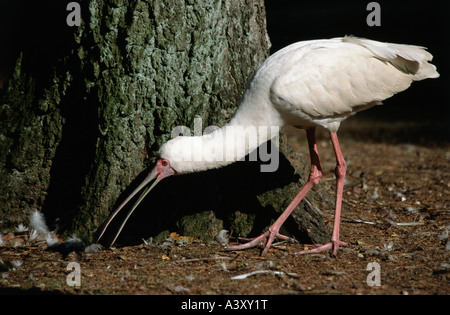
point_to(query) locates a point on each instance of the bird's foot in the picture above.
(266, 239)
(320, 248)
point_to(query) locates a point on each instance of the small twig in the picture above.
(389, 221)
(246, 275)
(405, 223)
(359, 221)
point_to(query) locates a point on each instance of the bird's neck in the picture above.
(223, 146)
(219, 148)
(234, 142)
(254, 123)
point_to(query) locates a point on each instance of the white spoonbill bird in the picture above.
(309, 84)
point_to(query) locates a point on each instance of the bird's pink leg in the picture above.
(314, 177)
(340, 171)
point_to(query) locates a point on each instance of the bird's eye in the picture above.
(164, 163)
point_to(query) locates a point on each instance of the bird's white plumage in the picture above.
(309, 84)
(324, 82)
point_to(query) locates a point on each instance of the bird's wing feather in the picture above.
(338, 78)
(410, 59)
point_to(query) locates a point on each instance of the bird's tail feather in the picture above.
(409, 59)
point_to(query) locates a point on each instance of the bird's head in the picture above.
(162, 170)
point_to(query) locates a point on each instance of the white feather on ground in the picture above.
(39, 229)
(37, 222)
(222, 237)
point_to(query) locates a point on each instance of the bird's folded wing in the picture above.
(333, 80)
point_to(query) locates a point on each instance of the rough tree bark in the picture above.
(85, 109)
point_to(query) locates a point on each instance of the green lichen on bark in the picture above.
(203, 225)
(242, 223)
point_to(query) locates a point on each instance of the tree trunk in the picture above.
(86, 108)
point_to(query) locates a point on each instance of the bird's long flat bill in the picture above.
(161, 171)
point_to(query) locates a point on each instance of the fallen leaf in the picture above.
(181, 240)
(165, 257)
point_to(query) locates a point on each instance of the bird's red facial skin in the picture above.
(163, 169)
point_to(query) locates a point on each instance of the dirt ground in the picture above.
(396, 215)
